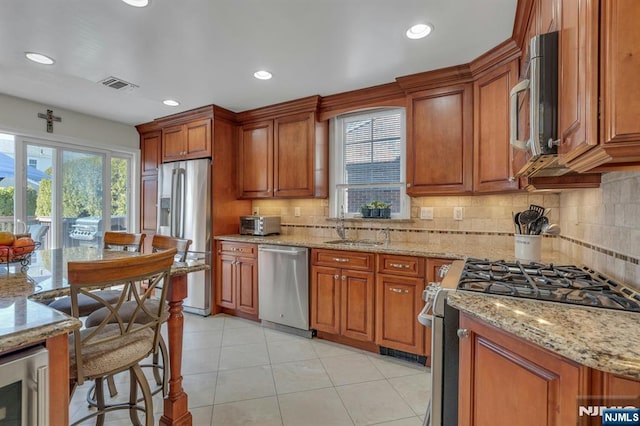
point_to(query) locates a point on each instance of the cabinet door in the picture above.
(620, 69)
(357, 308)
(173, 143)
(508, 381)
(247, 285)
(198, 139)
(256, 160)
(325, 299)
(150, 145)
(440, 141)
(398, 302)
(293, 162)
(225, 281)
(578, 73)
(493, 159)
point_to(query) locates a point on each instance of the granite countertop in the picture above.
(23, 320)
(442, 250)
(604, 339)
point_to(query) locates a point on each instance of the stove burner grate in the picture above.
(559, 283)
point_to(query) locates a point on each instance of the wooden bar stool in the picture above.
(116, 344)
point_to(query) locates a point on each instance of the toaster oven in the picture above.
(259, 225)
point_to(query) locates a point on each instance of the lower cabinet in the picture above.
(236, 290)
(399, 285)
(342, 294)
(398, 303)
(505, 380)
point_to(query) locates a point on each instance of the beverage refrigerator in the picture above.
(184, 211)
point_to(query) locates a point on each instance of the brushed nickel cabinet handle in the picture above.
(398, 290)
(344, 278)
(400, 265)
(336, 277)
(340, 260)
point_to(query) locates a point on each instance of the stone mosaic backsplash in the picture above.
(600, 227)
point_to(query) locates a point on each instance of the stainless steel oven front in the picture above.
(24, 387)
(443, 321)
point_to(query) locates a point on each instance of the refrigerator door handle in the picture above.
(177, 203)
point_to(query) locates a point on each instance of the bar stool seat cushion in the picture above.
(86, 304)
(107, 357)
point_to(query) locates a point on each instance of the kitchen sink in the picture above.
(362, 243)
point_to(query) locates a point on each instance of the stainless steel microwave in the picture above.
(259, 225)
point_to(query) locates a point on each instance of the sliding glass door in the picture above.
(66, 197)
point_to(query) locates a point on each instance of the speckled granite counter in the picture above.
(599, 338)
(603, 339)
(24, 321)
(443, 251)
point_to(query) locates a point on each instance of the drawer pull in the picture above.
(398, 290)
(340, 260)
(400, 265)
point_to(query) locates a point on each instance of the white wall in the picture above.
(20, 116)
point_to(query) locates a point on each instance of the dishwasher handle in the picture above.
(292, 252)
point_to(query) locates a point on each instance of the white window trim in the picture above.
(336, 165)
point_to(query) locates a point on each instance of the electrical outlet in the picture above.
(457, 213)
(256, 211)
(426, 213)
(296, 211)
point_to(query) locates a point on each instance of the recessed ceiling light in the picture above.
(170, 102)
(39, 58)
(137, 3)
(262, 75)
(419, 31)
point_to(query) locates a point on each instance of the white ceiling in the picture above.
(203, 52)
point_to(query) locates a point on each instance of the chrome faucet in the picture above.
(340, 229)
(387, 237)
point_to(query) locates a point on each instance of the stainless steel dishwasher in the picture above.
(283, 288)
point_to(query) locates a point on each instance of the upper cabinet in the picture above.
(493, 155)
(283, 151)
(150, 148)
(187, 140)
(440, 141)
(599, 104)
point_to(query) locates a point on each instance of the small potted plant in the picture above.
(365, 210)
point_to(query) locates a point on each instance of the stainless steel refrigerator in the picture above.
(184, 211)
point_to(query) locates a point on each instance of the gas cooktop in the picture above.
(557, 283)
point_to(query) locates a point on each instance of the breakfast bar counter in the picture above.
(25, 322)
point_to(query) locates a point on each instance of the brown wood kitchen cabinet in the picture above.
(187, 140)
(440, 141)
(598, 101)
(493, 158)
(284, 153)
(236, 281)
(342, 293)
(399, 285)
(150, 153)
(499, 371)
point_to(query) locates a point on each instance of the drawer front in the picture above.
(244, 249)
(343, 259)
(408, 266)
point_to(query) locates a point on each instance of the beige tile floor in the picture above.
(237, 372)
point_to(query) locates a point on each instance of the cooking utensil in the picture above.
(535, 228)
(536, 208)
(551, 229)
(516, 220)
(526, 217)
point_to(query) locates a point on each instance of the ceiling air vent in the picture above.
(118, 84)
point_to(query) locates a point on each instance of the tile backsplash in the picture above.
(600, 227)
